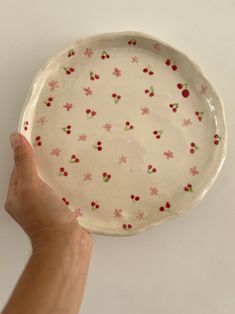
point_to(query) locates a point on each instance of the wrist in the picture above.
(57, 238)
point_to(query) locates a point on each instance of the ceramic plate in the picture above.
(126, 129)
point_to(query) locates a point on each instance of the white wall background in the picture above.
(185, 266)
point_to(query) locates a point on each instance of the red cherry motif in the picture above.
(128, 126)
(116, 98)
(193, 148)
(98, 146)
(148, 70)
(68, 70)
(174, 107)
(62, 172)
(185, 92)
(71, 53)
(90, 113)
(106, 177)
(188, 188)
(67, 129)
(65, 201)
(94, 205)
(166, 207)
(199, 115)
(132, 42)
(157, 134)
(26, 124)
(94, 76)
(74, 159)
(169, 62)
(127, 226)
(150, 91)
(49, 101)
(135, 198)
(151, 169)
(104, 55)
(217, 139)
(38, 141)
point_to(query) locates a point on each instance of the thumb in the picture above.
(25, 164)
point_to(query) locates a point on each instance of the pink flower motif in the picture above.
(144, 110)
(88, 91)
(153, 191)
(186, 122)
(193, 171)
(87, 176)
(68, 106)
(122, 159)
(117, 213)
(117, 72)
(107, 126)
(168, 154)
(157, 47)
(41, 120)
(77, 213)
(53, 84)
(203, 89)
(140, 216)
(88, 52)
(82, 137)
(134, 59)
(55, 151)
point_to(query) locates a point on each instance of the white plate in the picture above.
(126, 129)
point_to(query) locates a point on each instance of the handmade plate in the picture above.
(126, 129)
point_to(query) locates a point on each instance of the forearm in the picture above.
(53, 281)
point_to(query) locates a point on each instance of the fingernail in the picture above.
(16, 140)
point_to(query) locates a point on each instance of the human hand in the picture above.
(35, 206)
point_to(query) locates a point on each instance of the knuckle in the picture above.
(21, 155)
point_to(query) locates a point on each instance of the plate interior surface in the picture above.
(126, 129)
